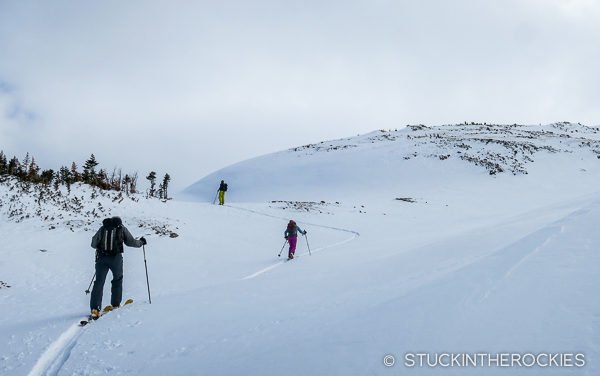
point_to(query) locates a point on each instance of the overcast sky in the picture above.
(188, 87)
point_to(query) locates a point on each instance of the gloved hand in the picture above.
(286, 238)
(143, 240)
(305, 231)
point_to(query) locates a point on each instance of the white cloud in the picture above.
(225, 81)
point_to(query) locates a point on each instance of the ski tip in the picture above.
(129, 301)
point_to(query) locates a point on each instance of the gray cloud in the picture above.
(189, 87)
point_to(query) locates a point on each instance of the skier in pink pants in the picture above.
(291, 234)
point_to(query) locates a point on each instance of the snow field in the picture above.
(477, 263)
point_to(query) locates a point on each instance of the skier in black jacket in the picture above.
(108, 242)
(222, 190)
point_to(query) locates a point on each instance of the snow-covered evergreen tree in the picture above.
(152, 179)
(89, 170)
(165, 186)
(3, 163)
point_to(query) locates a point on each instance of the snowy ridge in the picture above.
(518, 141)
(390, 158)
(497, 148)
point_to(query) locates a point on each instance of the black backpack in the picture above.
(111, 241)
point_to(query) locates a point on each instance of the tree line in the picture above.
(27, 170)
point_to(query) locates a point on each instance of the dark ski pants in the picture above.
(103, 264)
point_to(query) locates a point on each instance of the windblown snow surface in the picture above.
(458, 239)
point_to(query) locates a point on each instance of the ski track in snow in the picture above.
(57, 354)
(355, 234)
(542, 237)
(262, 271)
(285, 219)
(535, 251)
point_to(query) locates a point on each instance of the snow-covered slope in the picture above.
(436, 256)
(407, 159)
(78, 208)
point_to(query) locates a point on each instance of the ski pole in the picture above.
(92, 281)
(279, 255)
(306, 237)
(146, 265)
(215, 199)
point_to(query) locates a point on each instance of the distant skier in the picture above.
(108, 242)
(291, 234)
(222, 190)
